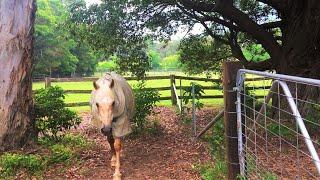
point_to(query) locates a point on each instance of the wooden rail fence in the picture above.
(172, 86)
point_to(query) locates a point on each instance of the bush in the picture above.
(69, 140)
(187, 94)
(9, 163)
(145, 101)
(52, 116)
(61, 153)
(218, 171)
(284, 130)
(75, 141)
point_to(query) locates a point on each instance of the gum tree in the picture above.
(16, 52)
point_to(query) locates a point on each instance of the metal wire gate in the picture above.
(278, 135)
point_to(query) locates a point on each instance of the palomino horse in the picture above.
(112, 107)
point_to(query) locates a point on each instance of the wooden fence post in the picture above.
(173, 96)
(47, 81)
(230, 69)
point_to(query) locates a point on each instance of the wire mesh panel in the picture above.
(278, 126)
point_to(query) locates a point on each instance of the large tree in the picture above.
(57, 53)
(288, 30)
(16, 51)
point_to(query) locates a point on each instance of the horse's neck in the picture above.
(119, 99)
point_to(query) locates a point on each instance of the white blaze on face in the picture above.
(103, 102)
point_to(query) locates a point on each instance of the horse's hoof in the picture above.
(117, 176)
(113, 161)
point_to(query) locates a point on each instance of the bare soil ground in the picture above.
(171, 153)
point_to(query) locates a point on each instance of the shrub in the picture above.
(69, 140)
(145, 101)
(284, 130)
(187, 94)
(313, 117)
(60, 153)
(11, 162)
(52, 116)
(217, 140)
(218, 171)
(76, 141)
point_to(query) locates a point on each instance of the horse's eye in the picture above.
(97, 104)
(113, 103)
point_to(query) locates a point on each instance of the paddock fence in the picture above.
(278, 135)
(174, 84)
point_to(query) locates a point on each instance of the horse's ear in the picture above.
(95, 85)
(111, 83)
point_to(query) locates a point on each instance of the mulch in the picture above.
(171, 153)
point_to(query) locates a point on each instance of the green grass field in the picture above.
(73, 98)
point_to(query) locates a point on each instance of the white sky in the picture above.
(92, 1)
(179, 35)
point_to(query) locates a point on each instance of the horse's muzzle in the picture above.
(106, 130)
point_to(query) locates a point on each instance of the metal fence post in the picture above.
(230, 70)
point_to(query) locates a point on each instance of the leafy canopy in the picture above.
(123, 27)
(56, 51)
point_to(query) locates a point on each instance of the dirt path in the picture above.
(170, 154)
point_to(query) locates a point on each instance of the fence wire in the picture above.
(273, 144)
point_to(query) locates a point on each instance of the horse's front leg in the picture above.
(117, 146)
(113, 151)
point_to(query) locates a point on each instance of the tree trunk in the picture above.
(16, 54)
(301, 39)
(301, 48)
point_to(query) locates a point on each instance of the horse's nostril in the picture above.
(106, 130)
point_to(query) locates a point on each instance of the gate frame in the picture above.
(277, 79)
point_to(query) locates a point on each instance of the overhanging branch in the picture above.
(279, 5)
(271, 25)
(220, 21)
(259, 66)
(265, 38)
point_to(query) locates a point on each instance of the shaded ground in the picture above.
(169, 154)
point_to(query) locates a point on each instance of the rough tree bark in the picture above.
(301, 39)
(16, 52)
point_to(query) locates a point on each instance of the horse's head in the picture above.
(105, 103)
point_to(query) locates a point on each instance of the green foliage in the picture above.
(60, 153)
(251, 167)
(164, 55)
(57, 53)
(313, 116)
(170, 62)
(87, 60)
(187, 94)
(145, 101)
(216, 144)
(113, 32)
(209, 172)
(217, 140)
(108, 65)
(269, 176)
(274, 128)
(75, 141)
(111, 27)
(133, 59)
(155, 59)
(52, 116)
(49, 153)
(255, 52)
(11, 162)
(202, 54)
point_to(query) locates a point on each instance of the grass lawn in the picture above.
(72, 98)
